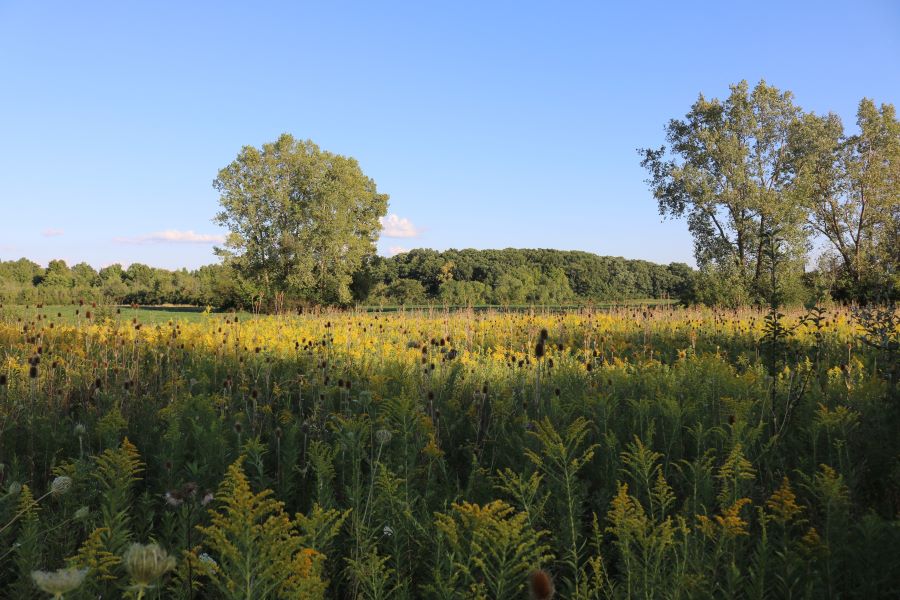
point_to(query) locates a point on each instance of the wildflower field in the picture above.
(638, 452)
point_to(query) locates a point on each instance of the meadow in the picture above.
(635, 452)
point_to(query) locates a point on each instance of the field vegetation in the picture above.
(637, 452)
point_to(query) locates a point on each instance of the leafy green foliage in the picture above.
(255, 549)
(407, 450)
(301, 219)
(489, 551)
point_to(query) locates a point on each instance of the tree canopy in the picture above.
(727, 171)
(849, 187)
(755, 168)
(301, 219)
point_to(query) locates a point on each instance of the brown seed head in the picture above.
(540, 585)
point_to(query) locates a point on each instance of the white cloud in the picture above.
(173, 236)
(393, 226)
(395, 250)
(51, 232)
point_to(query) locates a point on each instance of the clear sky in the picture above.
(490, 124)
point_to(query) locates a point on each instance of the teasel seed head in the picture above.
(540, 585)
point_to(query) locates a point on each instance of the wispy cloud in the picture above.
(173, 236)
(395, 250)
(393, 226)
(52, 232)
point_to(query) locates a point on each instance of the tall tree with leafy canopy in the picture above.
(301, 219)
(850, 187)
(727, 171)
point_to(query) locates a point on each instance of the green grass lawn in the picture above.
(73, 313)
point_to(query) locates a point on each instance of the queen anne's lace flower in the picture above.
(60, 485)
(59, 582)
(146, 564)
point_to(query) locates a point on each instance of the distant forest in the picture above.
(453, 277)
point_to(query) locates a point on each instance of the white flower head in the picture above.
(60, 485)
(208, 562)
(147, 564)
(59, 582)
(383, 436)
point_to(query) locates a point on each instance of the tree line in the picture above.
(25, 282)
(516, 276)
(422, 276)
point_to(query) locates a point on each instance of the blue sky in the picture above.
(490, 124)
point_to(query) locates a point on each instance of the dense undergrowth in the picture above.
(665, 453)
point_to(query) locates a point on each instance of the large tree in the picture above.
(727, 171)
(850, 187)
(301, 219)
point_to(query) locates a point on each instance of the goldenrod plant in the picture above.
(254, 550)
(433, 454)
